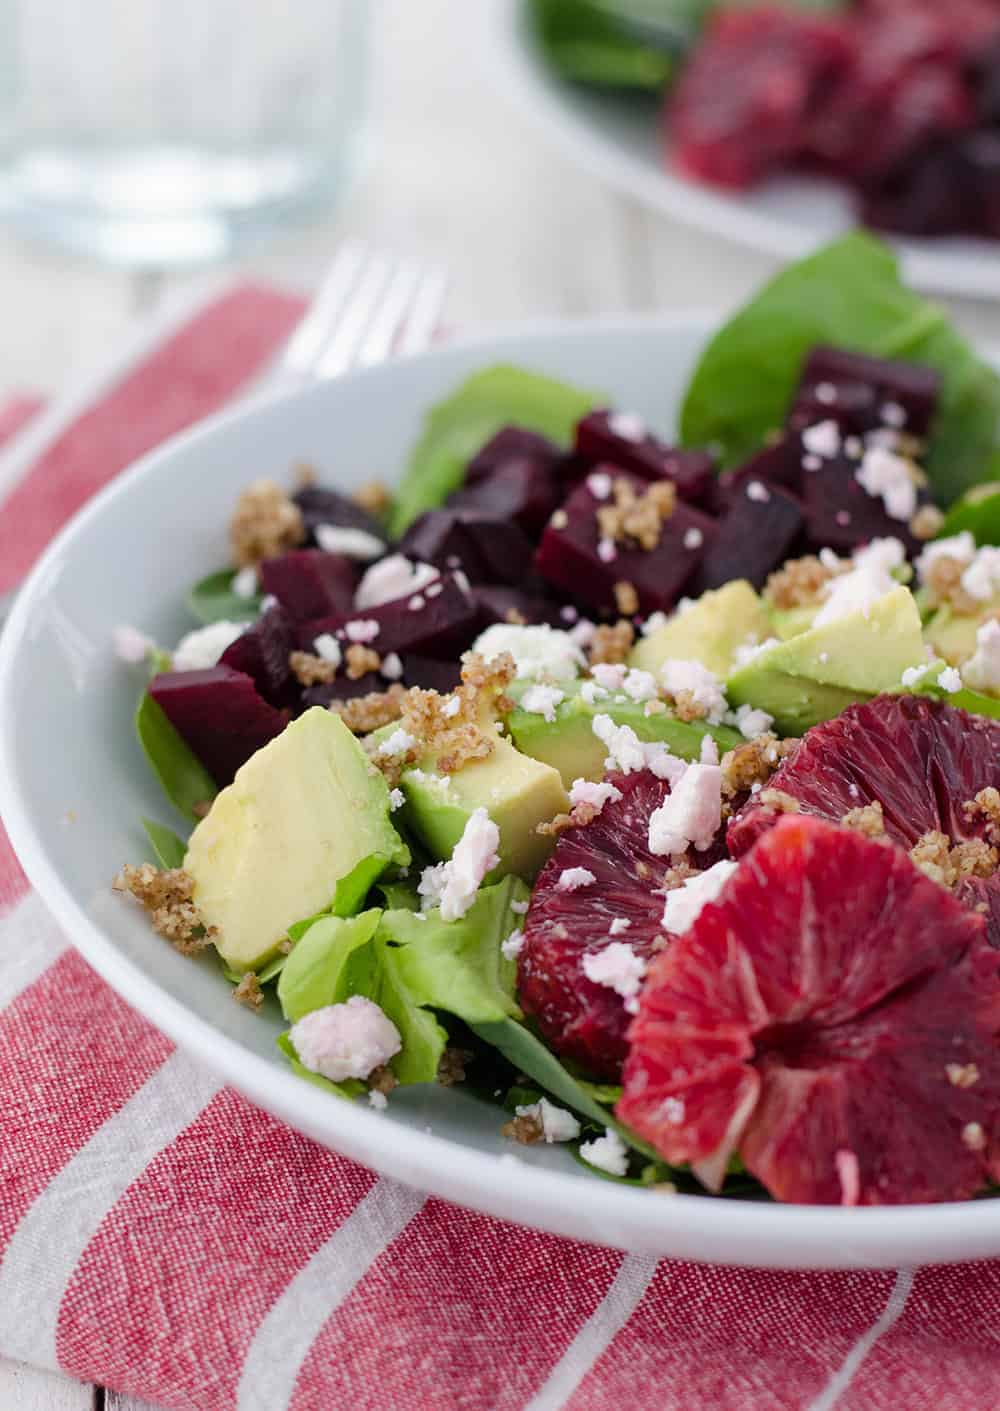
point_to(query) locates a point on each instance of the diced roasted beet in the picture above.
(929, 194)
(486, 548)
(523, 491)
(621, 440)
(309, 583)
(321, 506)
(511, 443)
(573, 557)
(343, 689)
(840, 513)
(437, 621)
(498, 603)
(779, 464)
(219, 714)
(432, 673)
(754, 537)
(853, 390)
(980, 154)
(505, 551)
(262, 653)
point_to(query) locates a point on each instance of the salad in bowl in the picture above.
(650, 791)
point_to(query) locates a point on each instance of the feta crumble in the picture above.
(628, 426)
(693, 538)
(396, 799)
(684, 903)
(362, 629)
(377, 1100)
(203, 647)
(556, 1123)
(679, 674)
(982, 670)
(609, 676)
(618, 968)
(542, 700)
(619, 926)
(606, 550)
(981, 580)
(511, 948)
(599, 484)
(608, 1153)
(451, 707)
(346, 1040)
(596, 795)
(582, 633)
(519, 908)
(949, 679)
(749, 650)
(640, 685)
(709, 751)
(131, 645)
(691, 815)
(352, 543)
(393, 578)
(453, 885)
(961, 547)
(864, 584)
(327, 648)
(539, 652)
(653, 623)
(912, 675)
(571, 879)
(758, 492)
(392, 667)
(244, 584)
(751, 723)
(822, 439)
(399, 742)
(591, 693)
(888, 477)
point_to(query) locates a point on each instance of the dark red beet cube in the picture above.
(521, 491)
(620, 439)
(499, 603)
(320, 506)
(219, 714)
(512, 443)
(777, 465)
(574, 558)
(262, 653)
(309, 583)
(435, 622)
(855, 390)
(840, 514)
(755, 536)
(930, 194)
(430, 673)
(486, 548)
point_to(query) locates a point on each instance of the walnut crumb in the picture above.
(962, 1075)
(943, 581)
(373, 496)
(451, 1068)
(304, 476)
(166, 896)
(987, 804)
(637, 518)
(677, 875)
(310, 670)
(248, 992)
(286, 945)
(800, 582)
(363, 714)
(265, 523)
(611, 644)
(777, 801)
(868, 821)
(973, 1136)
(626, 599)
(382, 1080)
(360, 661)
(526, 1130)
(515, 618)
(947, 864)
(687, 707)
(202, 808)
(926, 523)
(578, 817)
(753, 763)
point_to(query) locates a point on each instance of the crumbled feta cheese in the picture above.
(556, 1123)
(451, 707)
(244, 584)
(894, 415)
(399, 742)
(199, 650)
(867, 581)
(327, 648)
(606, 550)
(618, 968)
(542, 700)
(519, 907)
(572, 878)
(393, 578)
(830, 560)
(511, 948)
(749, 650)
(392, 667)
(619, 926)
(596, 795)
(599, 484)
(346, 1040)
(131, 645)
(889, 477)
(417, 602)
(684, 903)
(377, 1100)
(853, 447)
(693, 538)
(608, 1153)
(961, 547)
(981, 580)
(949, 679)
(654, 622)
(758, 492)
(823, 657)
(628, 426)
(751, 723)
(982, 670)
(362, 629)
(352, 543)
(540, 652)
(453, 885)
(569, 614)
(582, 634)
(591, 693)
(640, 685)
(624, 747)
(609, 676)
(825, 393)
(823, 439)
(912, 675)
(396, 799)
(691, 815)
(811, 463)
(709, 752)
(433, 590)
(678, 674)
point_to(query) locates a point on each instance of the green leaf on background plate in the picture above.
(185, 781)
(590, 43)
(978, 511)
(168, 848)
(212, 600)
(455, 429)
(849, 295)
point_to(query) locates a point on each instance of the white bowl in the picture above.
(66, 743)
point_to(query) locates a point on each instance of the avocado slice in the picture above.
(708, 631)
(952, 635)
(300, 815)
(817, 674)
(569, 744)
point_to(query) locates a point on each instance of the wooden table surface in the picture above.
(455, 176)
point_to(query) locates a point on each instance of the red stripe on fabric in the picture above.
(183, 380)
(460, 1313)
(71, 1054)
(943, 1354)
(165, 1302)
(16, 413)
(711, 1339)
(13, 883)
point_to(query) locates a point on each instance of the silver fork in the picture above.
(370, 306)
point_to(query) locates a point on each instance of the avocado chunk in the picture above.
(708, 631)
(952, 635)
(817, 674)
(299, 816)
(568, 742)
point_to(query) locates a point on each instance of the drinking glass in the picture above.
(158, 133)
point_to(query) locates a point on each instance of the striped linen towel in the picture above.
(160, 1235)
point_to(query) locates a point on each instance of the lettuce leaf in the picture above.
(212, 600)
(318, 970)
(183, 778)
(168, 848)
(588, 43)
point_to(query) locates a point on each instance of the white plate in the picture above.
(66, 743)
(618, 138)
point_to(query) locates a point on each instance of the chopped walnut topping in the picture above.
(611, 644)
(638, 517)
(526, 1130)
(753, 763)
(868, 821)
(265, 523)
(515, 618)
(677, 875)
(962, 1075)
(927, 522)
(800, 582)
(945, 864)
(987, 803)
(286, 945)
(166, 896)
(777, 801)
(363, 714)
(310, 670)
(974, 858)
(626, 599)
(688, 707)
(360, 660)
(382, 1080)
(578, 817)
(451, 1069)
(373, 496)
(973, 1136)
(304, 475)
(202, 808)
(248, 992)
(943, 581)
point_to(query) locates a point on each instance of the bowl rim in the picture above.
(566, 1203)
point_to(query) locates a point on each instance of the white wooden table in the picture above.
(457, 177)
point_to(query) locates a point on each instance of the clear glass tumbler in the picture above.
(158, 133)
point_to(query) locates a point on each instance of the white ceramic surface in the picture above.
(619, 139)
(66, 745)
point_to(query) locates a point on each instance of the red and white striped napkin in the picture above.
(160, 1235)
